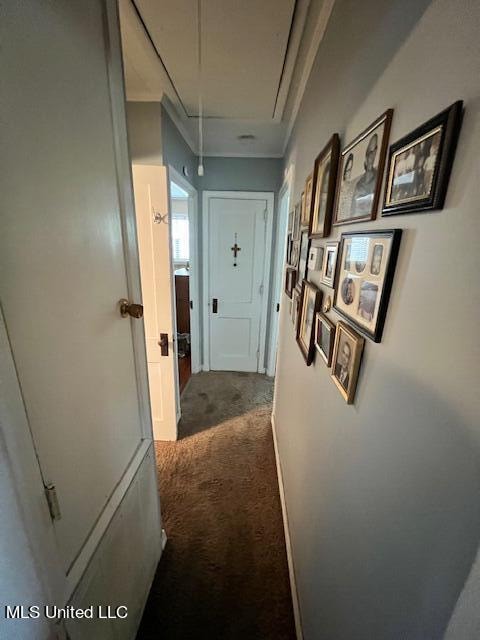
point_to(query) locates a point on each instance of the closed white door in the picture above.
(236, 281)
(62, 264)
(150, 184)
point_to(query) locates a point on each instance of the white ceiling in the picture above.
(251, 50)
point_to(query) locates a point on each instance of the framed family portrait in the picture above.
(290, 280)
(360, 173)
(324, 337)
(346, 359)
(310, 301)
(419, 164)
(324, 182)
(303, 257)
(294, 307)
(366, 265)
(329, 263)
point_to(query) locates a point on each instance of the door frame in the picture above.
(194, 277)
(277, 277)
(269, 197)
(20, 447)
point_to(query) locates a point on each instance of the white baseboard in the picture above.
(291, 569)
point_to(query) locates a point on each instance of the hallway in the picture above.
(224, 570)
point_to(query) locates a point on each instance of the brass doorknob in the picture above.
(130, 309)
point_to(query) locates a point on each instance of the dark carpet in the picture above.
(223, 574)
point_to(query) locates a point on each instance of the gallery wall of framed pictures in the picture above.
(355, 271)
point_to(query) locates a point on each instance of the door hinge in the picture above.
(278, 307)
(191, 304)
(52, 500)
(261, 289)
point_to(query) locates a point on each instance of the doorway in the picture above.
(237, 236)
(184, 243)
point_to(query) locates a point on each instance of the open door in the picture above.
(150, 185)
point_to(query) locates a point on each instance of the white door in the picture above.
(150, 184)
(236, 281)
(62, 264)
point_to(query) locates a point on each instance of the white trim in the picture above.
(245, 195)
(81, 562)
(194, 274)
(288, 542)
(277, 280)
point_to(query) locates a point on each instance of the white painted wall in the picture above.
(382, 496)
(144, 121)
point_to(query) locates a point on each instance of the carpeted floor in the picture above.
(223, 574)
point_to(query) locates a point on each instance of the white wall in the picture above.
(382, 496)
(144, 122)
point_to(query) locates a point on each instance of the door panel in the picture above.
(151, 197)
(62, 267)
(235, 328)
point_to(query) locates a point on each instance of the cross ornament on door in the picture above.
(235, 250)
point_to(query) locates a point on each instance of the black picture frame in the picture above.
(302, 270)
(446, 126)
(314, 293)
(394, 236)
(290, 280)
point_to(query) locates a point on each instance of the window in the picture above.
(180, 238)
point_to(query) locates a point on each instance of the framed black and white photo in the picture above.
(290, 280)
(324, 337)
(329, 263)
(315, 258)
(347, 355)
(419, 164)
(366, 265)
(324, 183)
(303, 257)
(310, 301)
(294, 308)
(360, 173)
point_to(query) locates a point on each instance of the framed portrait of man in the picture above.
(324, 182)
(366, 266)
(419, 164)
(310, 301)
(347, 355)
(360, 173)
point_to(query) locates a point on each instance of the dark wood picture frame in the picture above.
(308, 289)
(348, 393)
(332, 149)
(386, 120)
(288, 251)
(449, 121)
(302, 273)
(320, 318)
(395, 236)
(290, 280)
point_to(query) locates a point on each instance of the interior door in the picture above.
(62, 264)
(236, 281)
(150, 184)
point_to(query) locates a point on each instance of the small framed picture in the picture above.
(360, 173)
(366, 265)
(288, 252)
(308, 201)
(302, 210)
(290, 280)
(310, 301)
(329, 263)
(419, 164)
(347, 355)
(295, 253)
(303, 257)
(294, 307)
(291, 216)
(324, 337)
(324, 182)
(315, 258)
(296, 221)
